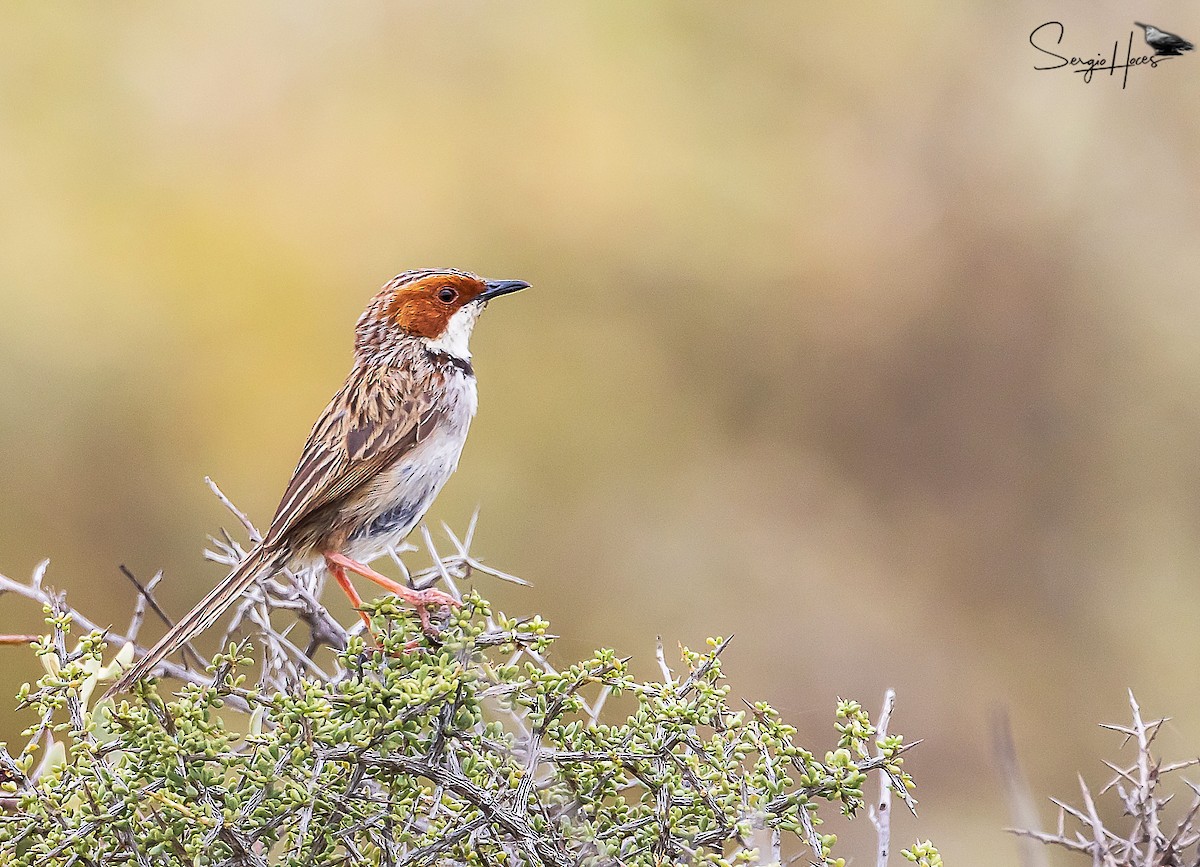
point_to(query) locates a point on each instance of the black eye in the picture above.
(446, 295)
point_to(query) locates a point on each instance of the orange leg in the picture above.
(339, 563)
(339, 575)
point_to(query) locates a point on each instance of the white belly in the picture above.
(402, 494)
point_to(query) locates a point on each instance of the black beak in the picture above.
(496, 288)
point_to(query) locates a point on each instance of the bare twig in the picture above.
(18, 639)
(146, 597)
(251, 530)
(881, 816)
(662, 661)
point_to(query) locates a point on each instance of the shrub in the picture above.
(465, 748)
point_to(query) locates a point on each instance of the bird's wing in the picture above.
(1173, 41)
(368, 425)
(372, 421)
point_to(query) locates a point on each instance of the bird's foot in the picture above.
(339, 564)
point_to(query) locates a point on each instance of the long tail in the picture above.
(206, 612)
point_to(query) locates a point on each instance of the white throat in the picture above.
(457, 335)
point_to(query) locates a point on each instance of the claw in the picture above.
(433, 596)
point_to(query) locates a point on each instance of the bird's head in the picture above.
(437, 307)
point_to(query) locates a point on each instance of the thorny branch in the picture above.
(1141, 790)
(474, 746)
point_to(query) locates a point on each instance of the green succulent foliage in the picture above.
(923, 854)
(466, 749)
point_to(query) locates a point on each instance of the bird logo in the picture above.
(377, 456)
(1164, 44)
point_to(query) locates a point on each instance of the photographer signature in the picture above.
(1091, 65)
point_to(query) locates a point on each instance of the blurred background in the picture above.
(852, 334)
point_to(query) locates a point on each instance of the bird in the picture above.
(1164, 43)
(377, 455)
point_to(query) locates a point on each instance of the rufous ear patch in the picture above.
(417, 308)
